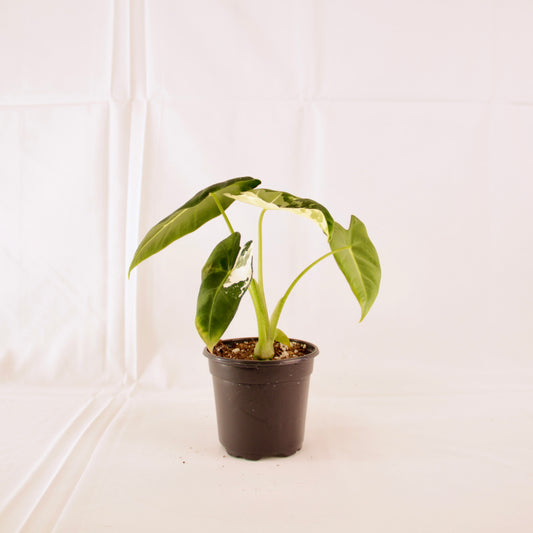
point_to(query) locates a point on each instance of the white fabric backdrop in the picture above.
(415, 116)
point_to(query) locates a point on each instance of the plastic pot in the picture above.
(261, 405)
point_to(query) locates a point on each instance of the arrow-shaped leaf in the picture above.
(358, 260)
(190, 216)
(270, 199)
(226, 276)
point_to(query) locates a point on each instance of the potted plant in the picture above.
(260, 383)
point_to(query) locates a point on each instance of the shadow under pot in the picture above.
(261, 405)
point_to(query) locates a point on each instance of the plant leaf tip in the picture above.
(132, 266)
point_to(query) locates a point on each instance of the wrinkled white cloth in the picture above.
(131, 460)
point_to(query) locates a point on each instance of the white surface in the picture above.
(415, 116)
(149, 461)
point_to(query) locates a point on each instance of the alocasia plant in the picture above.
(227, 274)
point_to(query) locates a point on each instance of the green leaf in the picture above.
(269, 199)
(282, 338)
(358, 261)
(226, 276)
(190, 216)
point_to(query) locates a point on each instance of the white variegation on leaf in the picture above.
(240, 277)
(270, 199)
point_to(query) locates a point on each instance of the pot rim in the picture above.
(262, 362)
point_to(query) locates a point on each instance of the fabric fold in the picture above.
(42, 494)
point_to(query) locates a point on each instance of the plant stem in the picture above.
(277, 311)
(264, 348)
(222, 211)
(260, 250)
(260, 286)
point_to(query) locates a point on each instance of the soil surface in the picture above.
(245, 350)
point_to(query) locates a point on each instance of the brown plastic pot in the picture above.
(261, 405)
